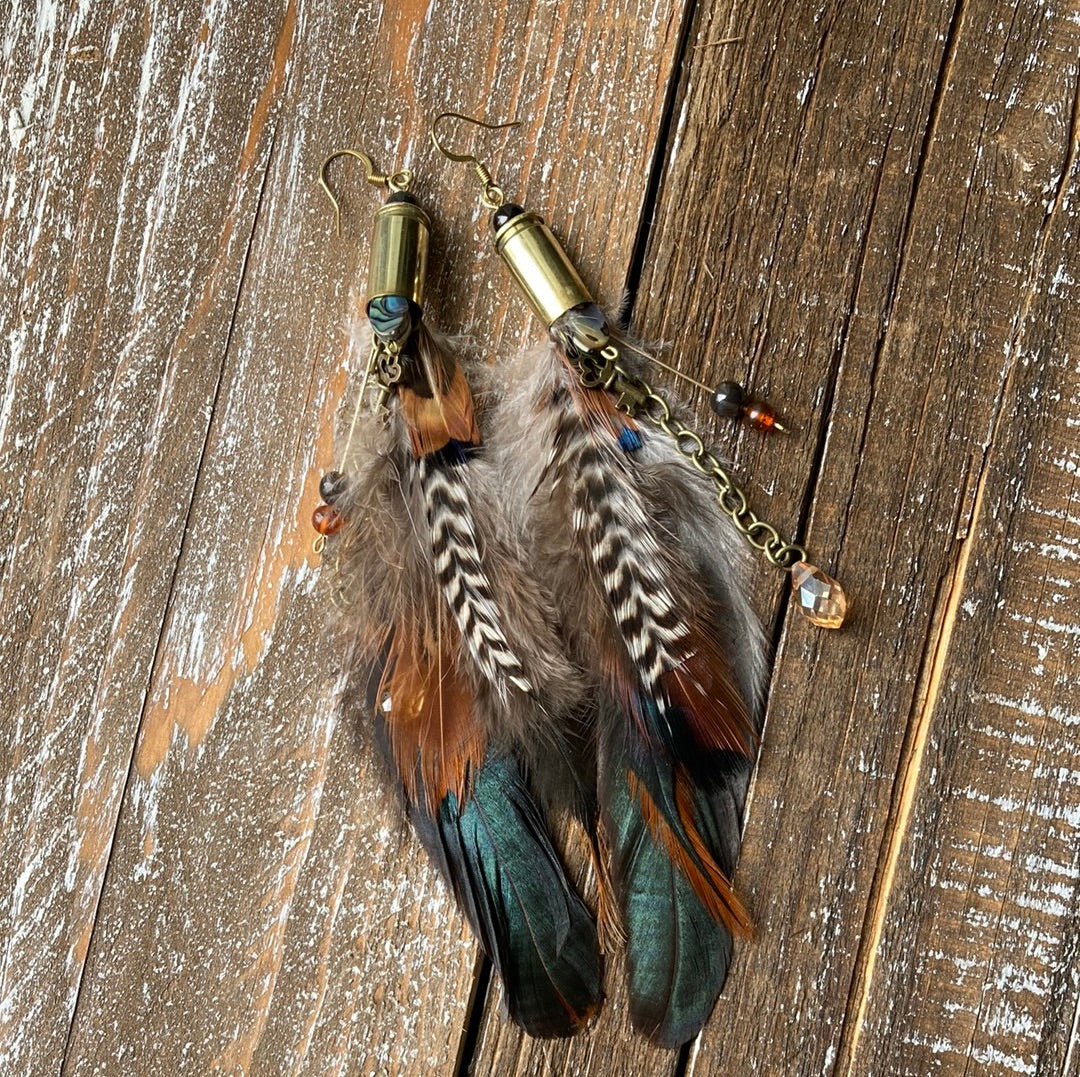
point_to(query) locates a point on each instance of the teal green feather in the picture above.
(678, 951)
(495, 851)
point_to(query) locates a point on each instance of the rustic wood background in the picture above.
(867, 209)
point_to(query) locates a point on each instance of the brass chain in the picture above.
(637, 398)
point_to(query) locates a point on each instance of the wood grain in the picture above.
(931, 241)
(868, 211)
(984, 852)
(804, 257)
(123, 298)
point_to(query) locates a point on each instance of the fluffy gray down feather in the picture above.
(384, 571)
(703, 543)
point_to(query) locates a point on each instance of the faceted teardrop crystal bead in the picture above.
(821, 600)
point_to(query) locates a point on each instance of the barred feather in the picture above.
(607, 514)
(461, 574)
(649, 579)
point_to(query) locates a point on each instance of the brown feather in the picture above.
(731, 909)
(702, 687)
(608, 921)
(447, 414)
(432, 718)
(598, 409)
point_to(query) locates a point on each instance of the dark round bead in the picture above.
(403, 196)
(505, 212)
(332, 486)
(727, 400)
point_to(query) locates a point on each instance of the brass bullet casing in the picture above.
(540, 266)
(399, 250)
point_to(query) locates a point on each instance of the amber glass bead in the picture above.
(820, 598)
(758, 414)
(326, 519)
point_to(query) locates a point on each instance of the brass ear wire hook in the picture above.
(493, 196)
(397, 181)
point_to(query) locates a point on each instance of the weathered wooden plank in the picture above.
(236, 754)
(814, 122)
(120, 298)
(974, 947)
(816, 127)
(265, 910)
(301, 930)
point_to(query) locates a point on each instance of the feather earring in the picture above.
(645, 559)
(453, 638)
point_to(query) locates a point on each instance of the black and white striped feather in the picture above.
(461, 574)
(608, 517)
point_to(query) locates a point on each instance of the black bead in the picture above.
(403, 196)
(505, 212)
(728, 399)
(332, 486)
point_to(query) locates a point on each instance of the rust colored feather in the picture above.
(446, 414)
(435, 737)
(702, 687)
(598, 409)
(732, 911)
(708, 880)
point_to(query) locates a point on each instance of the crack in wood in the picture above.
(907, 781)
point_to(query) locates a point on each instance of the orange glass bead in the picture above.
(326, 519)
(759, 414)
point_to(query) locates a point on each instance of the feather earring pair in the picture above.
(550, 592)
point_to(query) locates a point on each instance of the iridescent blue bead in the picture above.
(390, 316)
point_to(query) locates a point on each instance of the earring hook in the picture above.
(398, 181)
(493, 196)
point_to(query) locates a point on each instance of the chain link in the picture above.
(385, 363)
(638, 399)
